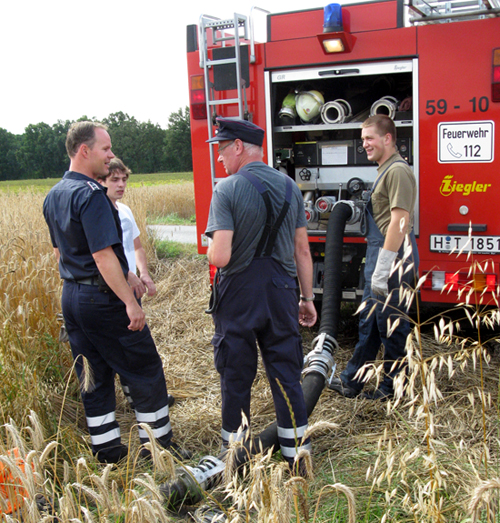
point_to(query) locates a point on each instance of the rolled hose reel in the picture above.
(387, 105)
(336, 112)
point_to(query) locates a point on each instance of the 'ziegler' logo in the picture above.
(448, 186)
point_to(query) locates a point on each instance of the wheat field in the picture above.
(431, 455)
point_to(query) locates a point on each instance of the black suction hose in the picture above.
(332, 284)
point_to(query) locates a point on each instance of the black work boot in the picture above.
(342, 388)
(179, 453)
(378, 394)
(112, 454)
(298, 467)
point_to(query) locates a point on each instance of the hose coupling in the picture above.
(320, 358)
(207, 473)
(191, 482)
(357, 210)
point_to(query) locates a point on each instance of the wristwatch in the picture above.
(303, 298)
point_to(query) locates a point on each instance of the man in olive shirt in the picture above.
(389, 219)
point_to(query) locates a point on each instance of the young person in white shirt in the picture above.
(116, 183)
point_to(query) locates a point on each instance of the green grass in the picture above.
(170, 249)
(135, 180)
(171, 219)
(41, 185)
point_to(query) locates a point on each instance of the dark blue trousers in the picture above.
(97, 325)
(260, 305)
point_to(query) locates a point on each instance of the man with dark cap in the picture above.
(259, 243)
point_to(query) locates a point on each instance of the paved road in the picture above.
(176, 233)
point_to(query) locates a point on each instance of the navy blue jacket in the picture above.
(82, 220)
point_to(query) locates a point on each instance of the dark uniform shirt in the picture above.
(82, 221)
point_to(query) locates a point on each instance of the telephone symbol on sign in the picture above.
(452, 152)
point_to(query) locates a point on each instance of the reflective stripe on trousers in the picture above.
(259, 305)
(97, 326)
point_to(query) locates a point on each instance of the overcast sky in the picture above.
(62, 59)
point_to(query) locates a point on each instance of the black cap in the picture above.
(230, 129)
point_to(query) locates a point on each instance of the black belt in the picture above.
(91, 280)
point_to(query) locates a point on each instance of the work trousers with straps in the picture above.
(260, 305)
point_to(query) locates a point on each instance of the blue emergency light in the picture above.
(332, 18)
(334, 39)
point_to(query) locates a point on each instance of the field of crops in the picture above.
(431, 455)
(135, 180)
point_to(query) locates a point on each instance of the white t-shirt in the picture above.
(130, 233)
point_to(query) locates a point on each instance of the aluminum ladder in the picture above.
(436, 11)
(213, 31)
(216, 33)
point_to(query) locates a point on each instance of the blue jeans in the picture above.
(373, 327)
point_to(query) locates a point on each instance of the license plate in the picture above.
(474, 244)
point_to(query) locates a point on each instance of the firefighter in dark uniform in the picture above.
(259, 242)
(104, 320)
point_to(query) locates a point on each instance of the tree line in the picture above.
(144, 147)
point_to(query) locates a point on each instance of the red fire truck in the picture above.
(432, 65)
